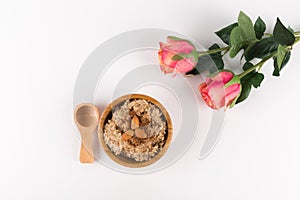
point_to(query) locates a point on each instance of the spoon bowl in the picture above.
(86, 117)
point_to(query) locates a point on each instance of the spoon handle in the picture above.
(86, 151)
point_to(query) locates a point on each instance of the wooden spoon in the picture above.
(86, 117)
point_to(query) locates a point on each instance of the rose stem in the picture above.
(202, 53)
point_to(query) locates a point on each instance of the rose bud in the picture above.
(221, 89)
(177, 55)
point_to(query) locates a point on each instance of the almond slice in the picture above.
(130, 132)
(140, 133)
(135, 122)
(127, 135)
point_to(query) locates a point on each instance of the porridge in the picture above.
(136, 130)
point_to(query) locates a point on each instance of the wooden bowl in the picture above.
(125, 161)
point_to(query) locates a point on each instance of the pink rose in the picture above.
(177, 55)
(221, 90)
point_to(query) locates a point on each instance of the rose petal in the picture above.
(204, 93)
(232, 92)
(185, 65)
(165, 58)
(215, 94)
(224, 76)
(177, 47)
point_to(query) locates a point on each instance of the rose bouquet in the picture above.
(223, 88)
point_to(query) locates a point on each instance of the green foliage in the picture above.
(282, 34)
(261, 49)
(217, 58)
(285, 60)
(260, 28)
(281, 54)
(177, 57)
(255, 44)
(251, 39)
(224, 33)
(212, 62)
(204, 63)
(256, 79)
(251, 79)
(241, 35)
(246, 89)
(180, 56)
(180, 39)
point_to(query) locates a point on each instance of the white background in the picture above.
(42, 47)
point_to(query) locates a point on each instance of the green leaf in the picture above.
(247, 66)
(194, 71)
(283, 35)
(241, 35)
(286, 59)
(262, 48)
(252, 79)
(237, 41)
(281, 53)
(217, 57)
(224, 33)
(180, 39)
(248, 48)
(204, 63)
(235, 79)
(245, 24)
(193, 54)
(212, 62)
(233, 103)
(257, 79)
(177, 57)
(259, 27)
(246, 88)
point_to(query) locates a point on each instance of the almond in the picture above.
(140, 133)
(130, 132)
(135, 122)
(127, 135)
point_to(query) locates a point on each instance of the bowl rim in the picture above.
(107, 111)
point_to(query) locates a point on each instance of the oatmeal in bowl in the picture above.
(135, 130)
